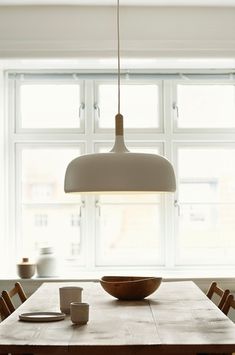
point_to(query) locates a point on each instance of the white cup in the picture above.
(79, 312)
(69, 294)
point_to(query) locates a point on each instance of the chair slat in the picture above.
(4, 310)
(229, 303)
(215, 289)
(7, 295)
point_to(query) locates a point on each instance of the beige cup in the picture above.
(79, 312)
(69, 294)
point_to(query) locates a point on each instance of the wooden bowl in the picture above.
(130, 287)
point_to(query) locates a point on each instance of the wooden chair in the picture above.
(229, 303)
(4, 310)
(214, 289)
(16, 290)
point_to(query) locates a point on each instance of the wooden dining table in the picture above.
(177, 319)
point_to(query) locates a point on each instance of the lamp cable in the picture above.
(118, 45)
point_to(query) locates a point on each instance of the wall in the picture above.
(68, 31)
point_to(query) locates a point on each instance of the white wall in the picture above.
(70, 31)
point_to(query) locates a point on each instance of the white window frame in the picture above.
(169, 136)
(128, 81)
(24, 79)
(200, 145)
(188, 82)
(19, 147)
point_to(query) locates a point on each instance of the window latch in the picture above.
(97, 109)
(177, 205)
(81, 108)
(176, 108)
(82, 205)
(97, 205)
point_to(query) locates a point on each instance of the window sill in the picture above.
(168, 275)
(203, 281)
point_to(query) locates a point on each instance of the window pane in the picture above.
(130, 227)
(206, 234)
(50, 105)
(207, 174)
(206, 106)
(43, 172)
(130, 234)
(56, 225)
(139, 105)
(207, 205)
(49, 216)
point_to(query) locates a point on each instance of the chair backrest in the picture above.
(4, 310)
(215, 289)
(229, 303)
(16, 290)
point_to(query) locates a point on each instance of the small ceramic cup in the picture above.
(79, 312)
(69, 294)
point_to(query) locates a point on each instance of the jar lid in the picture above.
(46, 250)
(25, 261)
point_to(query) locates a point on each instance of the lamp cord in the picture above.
(119, 73)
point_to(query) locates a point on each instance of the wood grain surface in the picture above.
(177, 319)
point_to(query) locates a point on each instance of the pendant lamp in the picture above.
(119, 171)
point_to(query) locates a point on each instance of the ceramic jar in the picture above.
(47, 263)
(25, 269)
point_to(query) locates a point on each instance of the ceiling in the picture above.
(122, 2)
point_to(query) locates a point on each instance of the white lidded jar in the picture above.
(47, 263)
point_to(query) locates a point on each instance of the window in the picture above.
(141, 105)
(130, 229)
(75, 220)
(40, 220)
(45, 104)
(49, 105)
(205, 105)
(53, 118)
(41, 200)
(207, 199)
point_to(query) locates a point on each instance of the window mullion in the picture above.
(11, 180)
(90, 215)
(6, 179)
(169, 199)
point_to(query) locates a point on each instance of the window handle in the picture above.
(97, 205)
(176, 107)
(177, 205)
(82, 205)
(81, 108)
(97, 109)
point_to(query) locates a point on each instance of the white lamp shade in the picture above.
(120, 172)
